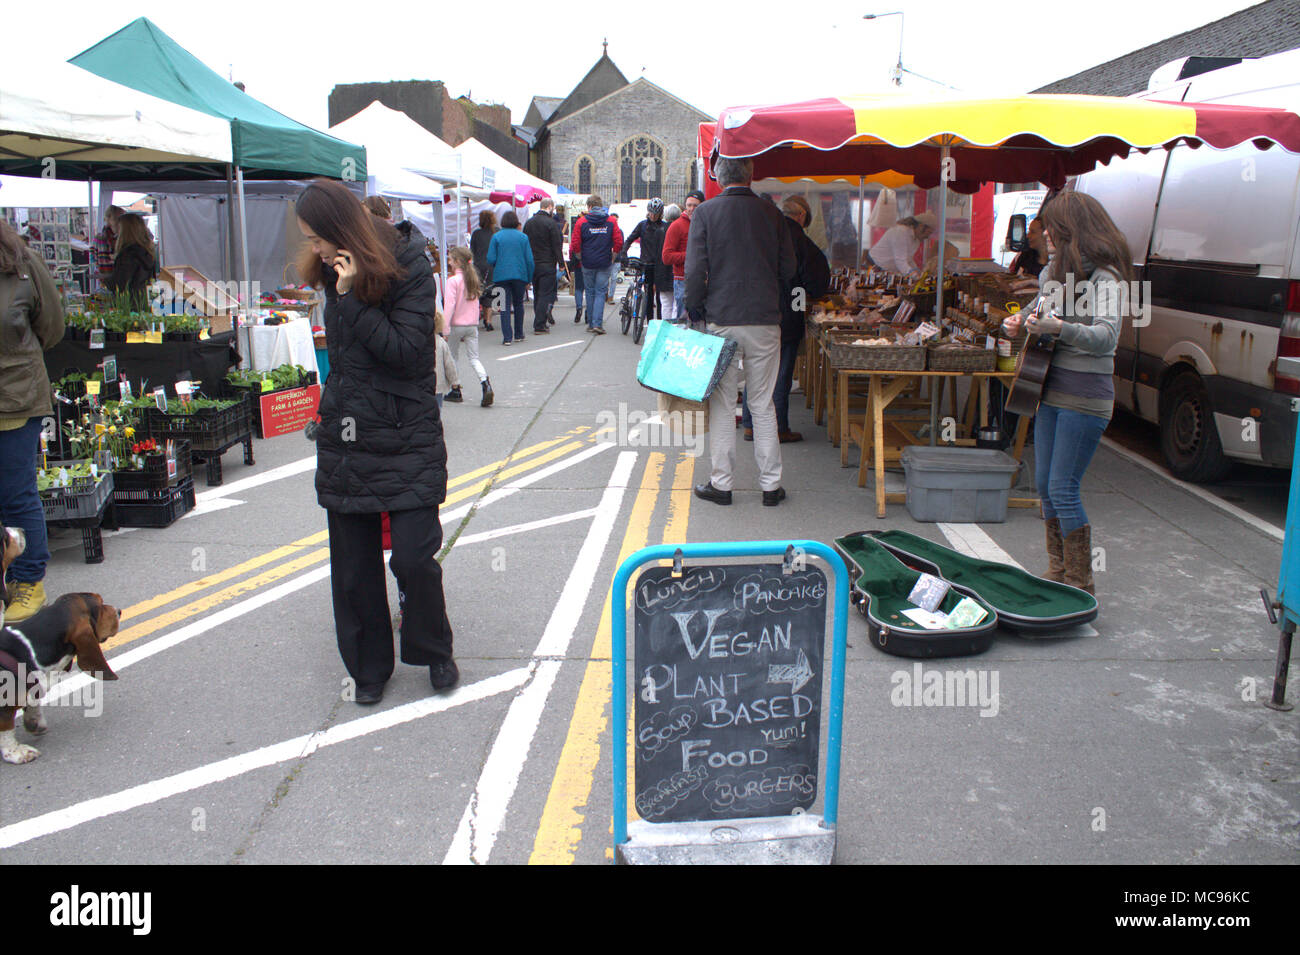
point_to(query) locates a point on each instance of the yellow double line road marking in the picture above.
(306, 556)
(560, 829)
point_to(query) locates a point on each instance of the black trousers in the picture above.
(362, 620)
(545, 291)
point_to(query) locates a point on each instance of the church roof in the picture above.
(705, 117)
(601, 80)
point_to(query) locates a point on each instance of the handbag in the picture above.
(678, 360)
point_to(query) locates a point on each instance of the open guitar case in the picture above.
(881, 585)
(1032, 606)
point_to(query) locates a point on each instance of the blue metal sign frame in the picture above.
(646, 555)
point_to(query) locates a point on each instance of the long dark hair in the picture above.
(1082, 230)
(338, 217)
(14, 259)
(131, 230)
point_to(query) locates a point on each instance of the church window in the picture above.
(641, 169)
(583, 178)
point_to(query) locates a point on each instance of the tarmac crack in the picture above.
(282, 789)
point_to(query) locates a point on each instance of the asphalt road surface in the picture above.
(227, 738)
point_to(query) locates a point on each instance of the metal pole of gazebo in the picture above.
(862, 218)
(243, 240)
(939, 315)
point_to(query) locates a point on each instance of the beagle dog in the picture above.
(12, 543)
(71, 628)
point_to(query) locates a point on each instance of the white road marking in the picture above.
(538, 351)
(211, 504)
(486, 811)
(1272, 530)
(266, 477)
(971, 540)
(297, 748)
(521, 528)
(515, 486)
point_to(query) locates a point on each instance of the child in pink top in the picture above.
(463, 290)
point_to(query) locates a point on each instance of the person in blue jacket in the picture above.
(511, 258)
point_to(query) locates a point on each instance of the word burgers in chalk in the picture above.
(728, 680)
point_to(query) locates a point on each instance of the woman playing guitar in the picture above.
(1086, 283)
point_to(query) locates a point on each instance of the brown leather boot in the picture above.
(1055, 551)
(1078, 559)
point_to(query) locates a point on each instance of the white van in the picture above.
(1215, 233)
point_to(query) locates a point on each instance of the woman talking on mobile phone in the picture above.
(379, 444)
(1086, 281)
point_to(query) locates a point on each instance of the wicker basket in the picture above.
(964, 359)
(843, 354)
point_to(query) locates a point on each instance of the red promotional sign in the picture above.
(284, 412)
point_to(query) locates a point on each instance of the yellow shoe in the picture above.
(28, 599)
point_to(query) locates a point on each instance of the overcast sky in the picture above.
(505, 51)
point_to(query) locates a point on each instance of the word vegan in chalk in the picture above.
(728, 673)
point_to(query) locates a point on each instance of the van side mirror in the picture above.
(1018, 233)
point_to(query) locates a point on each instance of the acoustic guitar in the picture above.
(1031, 372)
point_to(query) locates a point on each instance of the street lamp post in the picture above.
(898, 69)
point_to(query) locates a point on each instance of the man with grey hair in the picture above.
(547, 242)
(739, 257)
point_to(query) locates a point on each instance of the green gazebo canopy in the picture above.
(266, 144)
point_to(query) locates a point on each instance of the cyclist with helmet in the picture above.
(658, 275)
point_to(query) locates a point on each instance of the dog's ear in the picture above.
(89, 656)
(104, 619)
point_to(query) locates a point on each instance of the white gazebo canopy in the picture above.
(395, 146)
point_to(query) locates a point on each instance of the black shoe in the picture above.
(454, 395)
(541, 331)
(487, 393)
(367, 695)
(487, 327)
(577, 317)
(707, 492)
(550, 319)
(773, 498)
(443, 676)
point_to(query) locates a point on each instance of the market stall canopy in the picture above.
(396, 145)
(264, 143)
(96, 129)
(1030, 138)
(508, 176)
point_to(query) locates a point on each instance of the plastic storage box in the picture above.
(958, 485)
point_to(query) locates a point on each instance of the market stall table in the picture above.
(871, 434)
(290, 343)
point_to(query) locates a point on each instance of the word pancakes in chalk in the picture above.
(722, 645)
(778, 787)
(669, 593)
(779, 594)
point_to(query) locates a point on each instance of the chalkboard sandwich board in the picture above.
(728, 682)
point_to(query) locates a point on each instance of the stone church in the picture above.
(624, 140)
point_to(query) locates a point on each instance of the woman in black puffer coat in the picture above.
(379, 441)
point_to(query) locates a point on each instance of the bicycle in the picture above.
(630, 306)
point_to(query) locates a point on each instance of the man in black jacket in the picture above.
(739, 259)
(812, 280)
(547, 241)
(658, 277)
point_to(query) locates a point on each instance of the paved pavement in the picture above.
(227, 739)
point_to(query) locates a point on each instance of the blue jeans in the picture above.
(1064, 443)
(514, 304)
(679, 300)
(781, 393)
(20, 505)
(595, 282)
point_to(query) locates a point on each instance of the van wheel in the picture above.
(1188, 436)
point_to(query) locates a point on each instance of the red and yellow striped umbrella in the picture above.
(1030, 138)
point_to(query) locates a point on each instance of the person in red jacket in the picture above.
(674, 253)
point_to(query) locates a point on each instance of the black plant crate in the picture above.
(153, 508)
(206, 429)
(154, 475)
(83, 499)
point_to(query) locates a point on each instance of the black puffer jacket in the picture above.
(133, 269)
(379, 446)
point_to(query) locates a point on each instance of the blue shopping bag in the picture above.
(677, 360)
